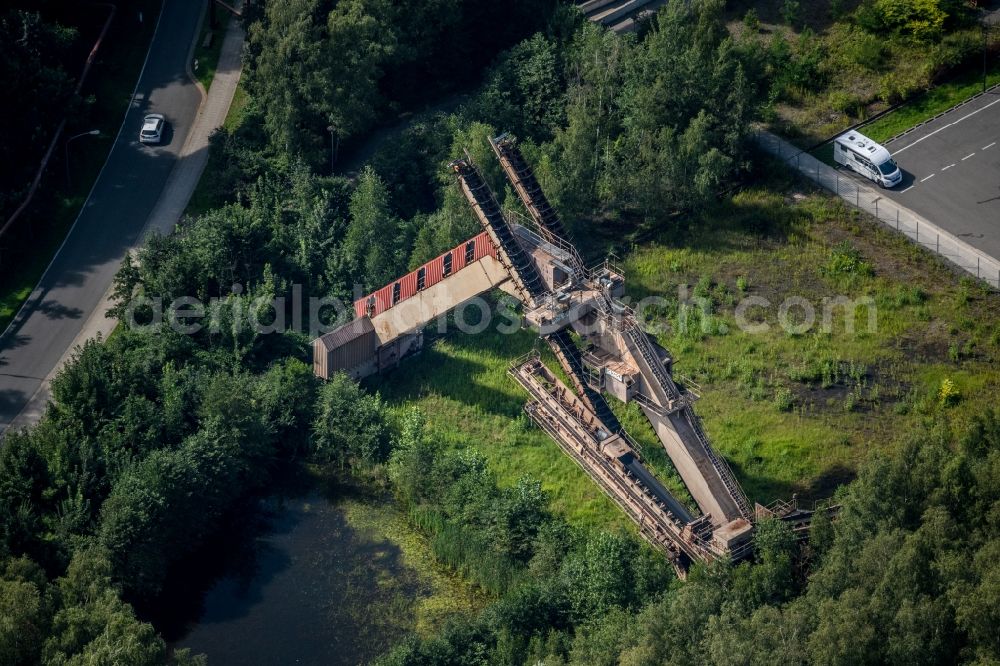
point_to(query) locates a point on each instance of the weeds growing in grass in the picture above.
(948, 393)
(783, 400)
(846, 260)
(822, 419)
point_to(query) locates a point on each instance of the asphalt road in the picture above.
(112, 217)
(951, 172)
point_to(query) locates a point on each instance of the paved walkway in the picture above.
(873, 201)
(170, 206)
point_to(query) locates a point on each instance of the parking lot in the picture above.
(951, 172)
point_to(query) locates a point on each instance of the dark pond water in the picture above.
(307, 589)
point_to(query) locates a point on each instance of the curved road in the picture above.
(112, 218)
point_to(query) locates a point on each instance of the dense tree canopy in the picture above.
(907, 574)
(157, 437)
(31, 55)
(324, 70)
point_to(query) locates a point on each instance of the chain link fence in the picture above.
(887, 211)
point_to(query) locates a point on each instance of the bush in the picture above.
(922, 20)
(866, 49)
(791, 11)
(948, 393)
(894, 88)
(783, 400)
(846, 103)
(846, 260)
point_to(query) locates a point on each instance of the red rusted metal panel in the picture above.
(408, 286)
(458, 258)
(484, 246)
(433, 273)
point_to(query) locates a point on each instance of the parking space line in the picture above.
(967, 156)
(948, 167)
(927, 178)
(927, 136)
(907, 189)
(989, 146)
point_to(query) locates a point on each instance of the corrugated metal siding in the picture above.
(319, 358)
(347, 347)
(352, 353)
(435, 271)
(349, 331)
(434, 274)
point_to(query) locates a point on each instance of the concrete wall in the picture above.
(429, 304)
(694, 466)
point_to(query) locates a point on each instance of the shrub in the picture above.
(948, 393)
(953, 353)
(846, 260)
(790, 11)
(866, 49)
(703, 289)
(894, 87)
(783, 400)
(923, 20)
(846, 103)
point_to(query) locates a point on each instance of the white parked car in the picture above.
(859, 153)
(152, 128)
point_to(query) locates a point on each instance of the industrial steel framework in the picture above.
(602, 350)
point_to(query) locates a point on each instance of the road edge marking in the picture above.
(34, 296)
(941, 129)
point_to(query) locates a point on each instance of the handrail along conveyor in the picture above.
(531, 256)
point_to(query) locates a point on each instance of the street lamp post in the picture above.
(986, 35)
(90, 133)
(334, 145)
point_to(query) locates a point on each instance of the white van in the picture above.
(856, 151)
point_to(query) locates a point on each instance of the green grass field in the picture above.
(207, 58)
(461, 383)
(793, 412)
(934, 101)
(796, 411)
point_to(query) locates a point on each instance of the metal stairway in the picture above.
(520, 266)
(572, 361)
(721, 466)
(641, 343)
(525, 275)
(622, 318)
(667, 391)
(526, 185)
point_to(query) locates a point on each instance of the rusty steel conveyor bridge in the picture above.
(599, 344)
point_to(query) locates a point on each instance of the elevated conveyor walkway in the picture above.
(510, 253)
(611, 461)
(707, 476)
(525, 275)
(520, 175)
